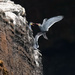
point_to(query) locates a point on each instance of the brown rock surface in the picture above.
(16, 48)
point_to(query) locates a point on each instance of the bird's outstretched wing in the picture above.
(36, 40)
(44, 21)
(51, 21)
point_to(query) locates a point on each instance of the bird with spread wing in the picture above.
(44, 27)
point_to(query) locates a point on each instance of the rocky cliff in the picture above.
(17, 56)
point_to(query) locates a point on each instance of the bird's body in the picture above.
(30, 25)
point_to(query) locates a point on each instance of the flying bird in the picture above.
(47, 23)
(36, 46)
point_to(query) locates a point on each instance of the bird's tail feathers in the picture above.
(45, 36)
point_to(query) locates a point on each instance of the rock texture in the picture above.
(17, 56)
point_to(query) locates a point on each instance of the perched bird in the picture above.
(47, 23)
(31, 23)
(36, 46)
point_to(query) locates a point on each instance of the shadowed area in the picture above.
(59, 51)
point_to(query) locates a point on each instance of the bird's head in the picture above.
(31, 23)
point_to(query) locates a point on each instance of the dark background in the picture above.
(59, 51)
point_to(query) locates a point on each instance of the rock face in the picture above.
(17, 56)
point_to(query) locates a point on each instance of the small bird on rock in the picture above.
(31, 23)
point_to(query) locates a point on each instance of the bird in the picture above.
(47, 23)
(35, 45)
(31, 23)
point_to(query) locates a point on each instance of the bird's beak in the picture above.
(38, 24)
